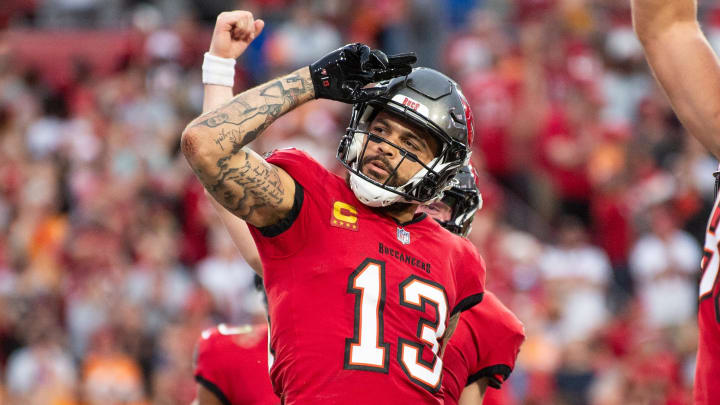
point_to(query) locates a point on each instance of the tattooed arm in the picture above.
(214, 96)
(215, 145)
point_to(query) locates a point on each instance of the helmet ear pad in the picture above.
(353, 143)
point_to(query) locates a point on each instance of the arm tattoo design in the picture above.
(257, 179)
(249, 182)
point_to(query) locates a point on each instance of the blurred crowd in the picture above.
(112, 261)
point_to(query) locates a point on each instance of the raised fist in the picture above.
(342, 74)
(234, 31)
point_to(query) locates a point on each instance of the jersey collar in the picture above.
(417, 218)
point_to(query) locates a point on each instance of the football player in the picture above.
(360, 289)
(688, 70)
(231, 365)
(487, 339)
(482, 353)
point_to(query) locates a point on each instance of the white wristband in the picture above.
(217, 70)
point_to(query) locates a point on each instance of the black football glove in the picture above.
(342, 74)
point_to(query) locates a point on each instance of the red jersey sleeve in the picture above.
(300, 166)
(469, 277)
(311, 179)
(497, 335)
(209, 361)
(485, 344)
(231, 362)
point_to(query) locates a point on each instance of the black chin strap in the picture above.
(717, 183)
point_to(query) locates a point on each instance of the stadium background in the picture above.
(111, 262)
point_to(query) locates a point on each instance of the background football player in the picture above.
(330, 333)
(689, 72)
(486, 342)
(231, 364)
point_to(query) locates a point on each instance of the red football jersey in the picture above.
(485, 344)
(358, 303)
(707, 369)
(232, 362)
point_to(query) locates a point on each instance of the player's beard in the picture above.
(394, 208)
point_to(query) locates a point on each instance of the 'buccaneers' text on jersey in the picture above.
(485, 344)
(359, 303)
(232, 363)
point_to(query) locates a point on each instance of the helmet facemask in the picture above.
(464, 200)
(463, 206)
(428, 100)
(424, 186)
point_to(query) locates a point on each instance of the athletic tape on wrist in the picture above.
(217, 70)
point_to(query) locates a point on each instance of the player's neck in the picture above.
(401, 212)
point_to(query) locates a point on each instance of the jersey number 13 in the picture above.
(367, 349)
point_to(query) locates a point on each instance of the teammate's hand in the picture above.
(342, 74)
(234, 31)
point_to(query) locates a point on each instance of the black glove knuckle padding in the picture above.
(342, 74)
